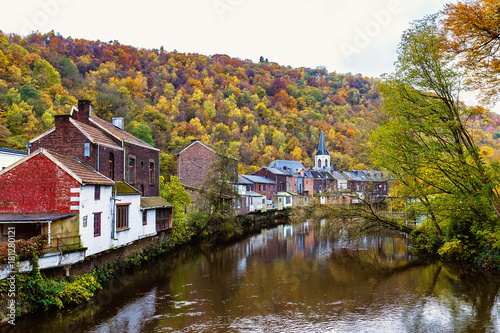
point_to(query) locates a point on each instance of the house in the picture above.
(261, 185)
(10, 156)
(283, 200)
(194, 162)
(249, 200)
(105, 147)
(82, 211)
(276, 175)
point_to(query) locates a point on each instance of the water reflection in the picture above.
(289, 279)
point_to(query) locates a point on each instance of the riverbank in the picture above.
(99, 276)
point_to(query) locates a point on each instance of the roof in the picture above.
(253, 194)
(38, 217)
(12, 151)
(258, 179)
(243, 181)
(283, 194)
(322, 146)
(154, 202)
(95, 135)
(337, 175)
(209, 147)
(81, 172)
(286, 164)
(123, 188)
(118, 133)
(85, 173)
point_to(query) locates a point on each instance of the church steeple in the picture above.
(322, 157)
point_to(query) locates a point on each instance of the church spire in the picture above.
(322, 158)
(322, 146)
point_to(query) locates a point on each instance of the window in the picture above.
(131, 169)
(97, 224)
(144, 217)
(97, 192)
(319, 163)
(112, 166)
(260, 187)
(122, 216)
(86, 149)
(152, 173)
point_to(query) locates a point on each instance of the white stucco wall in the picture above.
(89, 206)
(8, 158)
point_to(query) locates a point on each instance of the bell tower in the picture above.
(322, 157)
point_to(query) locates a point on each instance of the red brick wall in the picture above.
(193, 164)
(36, 186)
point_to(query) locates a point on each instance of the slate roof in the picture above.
(243, 181)
(258, 179)
(154, 202)
(286, 164)
(322, 146)
(12, 151)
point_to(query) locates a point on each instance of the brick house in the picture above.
(276, 175)
(194, 162)
(105, 147)
(261, 185)
(82, 211)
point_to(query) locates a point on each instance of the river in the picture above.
(287, 279)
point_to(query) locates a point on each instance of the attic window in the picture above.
(86, 147)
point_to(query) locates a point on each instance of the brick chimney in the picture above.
(61, 120)
(84, 111)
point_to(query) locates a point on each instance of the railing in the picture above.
(67, 243)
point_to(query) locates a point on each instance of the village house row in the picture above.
(284, 183)
(91, 187)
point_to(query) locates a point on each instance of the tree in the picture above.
(426, 143)
(472, 31)
(218, 196)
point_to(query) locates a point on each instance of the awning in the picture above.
(30, 218)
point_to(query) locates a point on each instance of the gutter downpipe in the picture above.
(113, 212)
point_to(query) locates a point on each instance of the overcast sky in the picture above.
(357, 36)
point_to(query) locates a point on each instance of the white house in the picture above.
(10, 156)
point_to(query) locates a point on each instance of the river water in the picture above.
(287, 279)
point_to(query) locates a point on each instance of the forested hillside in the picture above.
(257, 111)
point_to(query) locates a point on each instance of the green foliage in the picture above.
(143, 132)
(174, 192)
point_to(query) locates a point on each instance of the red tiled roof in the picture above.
(86, 174)
(118, 133)
(96, 134)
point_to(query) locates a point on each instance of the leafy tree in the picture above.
(176, 194)
(472, 29)
(426, 143)
(218, 196)
(143, 132)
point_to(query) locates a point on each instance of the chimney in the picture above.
(84, 111)
(61, 120)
